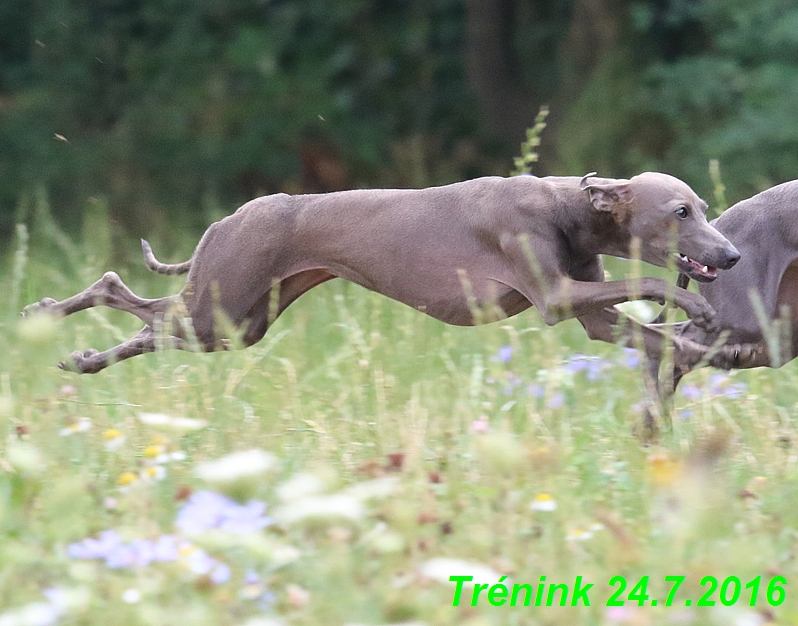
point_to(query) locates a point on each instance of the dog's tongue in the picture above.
(704, 270)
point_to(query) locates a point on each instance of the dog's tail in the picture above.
(163, 268)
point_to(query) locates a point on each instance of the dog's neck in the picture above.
(592, 231)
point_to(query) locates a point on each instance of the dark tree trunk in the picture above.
(506, 106)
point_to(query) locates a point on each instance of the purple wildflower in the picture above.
(121, 556)
(721, 384)
(718, 380)
(691, 392)
(98, 548)
(593, 366)
(118, 554)
(143, 551)
(165, 549)
(255, 589)
(199, 562)
(505, 354)
(242, 520)
(631, 358)
(556, 401)
(536, 390)
(735, 390)
(594, 369)
(55, 596)
(267, 601)
(207, 510)
(220, 574)
(576, 363)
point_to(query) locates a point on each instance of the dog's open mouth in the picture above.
(695, 270)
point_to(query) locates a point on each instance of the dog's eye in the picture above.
(682, 212)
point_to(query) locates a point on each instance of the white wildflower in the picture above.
(442, 568)
(25, 458)
(68, 598)
(638, 310)
(114, 439)
(284, 554)
(331, 506)
(236, 466)
(543, 502)
(395, 624)
(167, 422)
(80, 426)
(153, 473)
(264, 621)
(299, 486)
(735, 616)
(577, 534)
(168, 457)
(33, 614)
(131, 596)
(377, 488)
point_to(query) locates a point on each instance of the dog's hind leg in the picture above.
(109, 291)
(92, 361)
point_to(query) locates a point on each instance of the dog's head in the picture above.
(668, 218)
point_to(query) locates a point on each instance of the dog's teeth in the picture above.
(706, 270)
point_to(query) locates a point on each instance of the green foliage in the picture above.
(529, 153)
(719, 189)
(167, 104)
(733, 101)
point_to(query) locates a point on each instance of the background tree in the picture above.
(185, 109)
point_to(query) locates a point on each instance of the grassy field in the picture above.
(388, 452)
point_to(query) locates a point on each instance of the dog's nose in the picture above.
(732, 256)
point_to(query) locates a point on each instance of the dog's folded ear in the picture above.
(606, 193)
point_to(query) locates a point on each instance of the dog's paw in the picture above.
(73, 364)
(79, 362)
(701, 312)
(44, 305)
(735, 356)
(646, 429)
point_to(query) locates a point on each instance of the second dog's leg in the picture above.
(92, 361)
(109, 291)
(602, 325)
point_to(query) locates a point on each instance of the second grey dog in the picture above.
(757, 301)
(464, 253)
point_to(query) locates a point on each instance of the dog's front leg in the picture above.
(605, 326)
(573, 298)
(545, 281)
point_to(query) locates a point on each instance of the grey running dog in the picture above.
(465, 253)
(756, 302)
